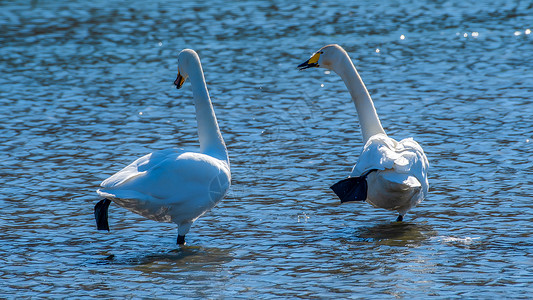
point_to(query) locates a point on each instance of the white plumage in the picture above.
(400, 180)
(175, 185)
(388, 174)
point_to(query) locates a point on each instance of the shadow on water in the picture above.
(188, 256)
(395, 234)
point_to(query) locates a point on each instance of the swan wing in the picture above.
(139, 167)
(168, 176)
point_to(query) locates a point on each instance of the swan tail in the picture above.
(100, 214)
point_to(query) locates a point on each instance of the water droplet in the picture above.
(517, 33)
(160, 44)
(327, 72)
(465, 34)
(140, 113)
(475, 34)
(528, 31)
(377, 50)
(322, 85)
(402, 37)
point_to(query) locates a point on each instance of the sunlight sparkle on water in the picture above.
(466, 240)
(303, 218)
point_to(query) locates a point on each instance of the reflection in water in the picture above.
(186, 255)
(396, 234)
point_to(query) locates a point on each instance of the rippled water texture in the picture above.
(86, 87)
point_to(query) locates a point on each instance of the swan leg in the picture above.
(100, 214)
(183, 229)
(351, 189)
(399, 219)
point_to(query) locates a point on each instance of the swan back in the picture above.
(405, 157)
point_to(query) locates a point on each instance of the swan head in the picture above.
(327, 57)
(186, 59)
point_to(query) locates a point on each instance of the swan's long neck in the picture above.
(211, 141)
(368, 118)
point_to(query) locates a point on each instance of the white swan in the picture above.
(175, 185)
(388, 174)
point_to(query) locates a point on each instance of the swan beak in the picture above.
(179, 81)
(311, 63)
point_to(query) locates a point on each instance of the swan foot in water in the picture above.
(399, 219)
(352, 188)
(100, 214)
(181, 239)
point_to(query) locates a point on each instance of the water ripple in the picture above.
(87, 87)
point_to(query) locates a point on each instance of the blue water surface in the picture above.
(86, 88)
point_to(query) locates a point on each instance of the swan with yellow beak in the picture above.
(389, 174)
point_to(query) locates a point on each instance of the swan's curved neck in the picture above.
(368, 118)
(211, 141)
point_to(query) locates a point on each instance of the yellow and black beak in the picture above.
(311, 63)
(179, 81)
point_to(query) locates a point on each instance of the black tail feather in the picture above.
(100, 214)
(351, 189)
